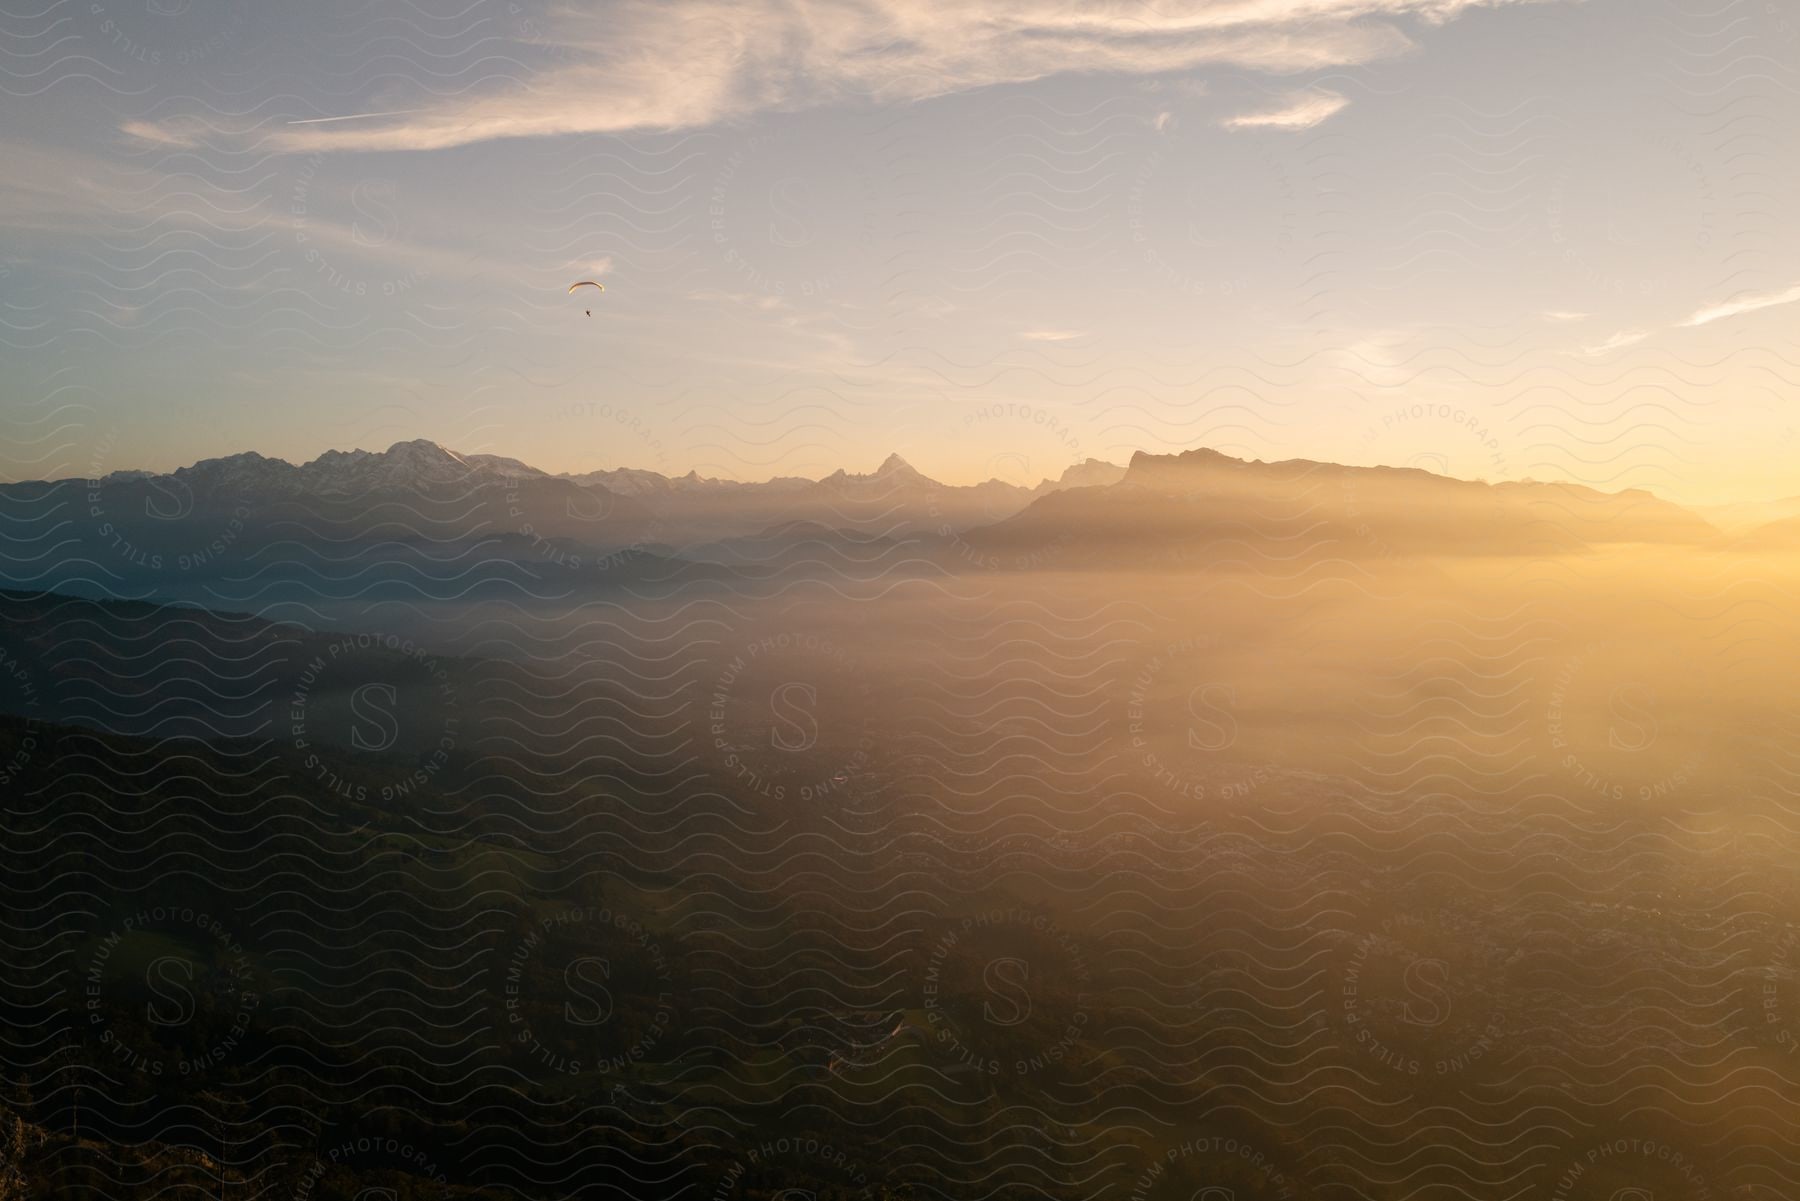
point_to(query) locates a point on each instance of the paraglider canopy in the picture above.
(587, 283)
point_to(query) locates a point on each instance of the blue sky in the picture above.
(1530, 239)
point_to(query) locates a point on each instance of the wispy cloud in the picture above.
(1049, 335)
(1565, 316)
(1296, 110)
(667, 64)
(1383, 357)
(1746, 304)
(55, 190)
(1703, 316)
(1619, 341)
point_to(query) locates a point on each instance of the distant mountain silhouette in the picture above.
(419, 490)
(1201, 507)
(1782, 535)
(895, 499)
(414, 498)
(421, 520)
(1755, 517)
(406, 466)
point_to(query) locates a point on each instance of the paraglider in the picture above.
(586, 283)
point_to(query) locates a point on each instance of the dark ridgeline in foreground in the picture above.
(422, 822)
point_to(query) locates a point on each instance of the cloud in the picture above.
(671, 64)
(1049, 335)
(55, 190)
(1296, 110)
(1703, 316)
(1748, 304)
(1565, 316)
(1619, 341)
(1382, 357)
(177, 132)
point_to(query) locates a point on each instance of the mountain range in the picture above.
(1207, 506)
(421, 464)
(607, 508)
(358, 518)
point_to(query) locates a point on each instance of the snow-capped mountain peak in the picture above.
(404, 466)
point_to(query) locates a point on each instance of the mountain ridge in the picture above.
(411, 460)
(1206, 504)
(1200, 492)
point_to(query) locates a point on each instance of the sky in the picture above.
(1499, 239)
